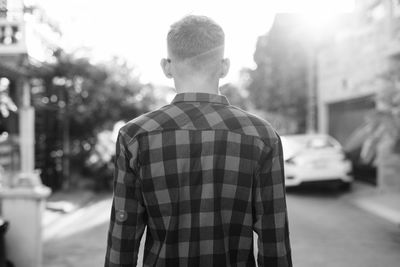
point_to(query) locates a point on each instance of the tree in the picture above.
(97, 95)
(86, 98)
(279, 83)
(6, 103)
(382, 131)
(236, 96)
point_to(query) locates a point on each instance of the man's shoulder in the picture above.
(251, 124)
(147, 122)
(232, 118)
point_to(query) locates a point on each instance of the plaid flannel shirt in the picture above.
(202, 175)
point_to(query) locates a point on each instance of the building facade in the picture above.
(352, 64)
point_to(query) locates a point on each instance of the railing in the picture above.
(27, 30)
(12, 37)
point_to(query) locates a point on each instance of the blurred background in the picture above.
(325, 74)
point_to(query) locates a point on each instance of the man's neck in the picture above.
(197, 87)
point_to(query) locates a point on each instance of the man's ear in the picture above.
(166, 67)
(225, 65)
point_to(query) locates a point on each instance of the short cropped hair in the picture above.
(195, 38)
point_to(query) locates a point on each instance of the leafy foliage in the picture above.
(6, 103)
(86, 99)
(384, 122)
(96, 95)
(279, 83)
(236, 96)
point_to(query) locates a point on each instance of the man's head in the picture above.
(195, 49)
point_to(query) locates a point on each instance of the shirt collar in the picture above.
(200, 97)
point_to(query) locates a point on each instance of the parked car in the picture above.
(315, 158)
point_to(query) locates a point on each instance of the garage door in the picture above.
(344, 119)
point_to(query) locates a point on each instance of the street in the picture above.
(327, 229)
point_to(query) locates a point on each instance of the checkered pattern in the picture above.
(202, 175)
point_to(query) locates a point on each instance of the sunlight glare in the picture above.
(315, 6)
(136, 30)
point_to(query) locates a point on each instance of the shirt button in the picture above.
(121, 216)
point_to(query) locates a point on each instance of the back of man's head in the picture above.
(196, 40)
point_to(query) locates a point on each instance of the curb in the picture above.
(379, 210)
(375, 202)
(62, 221)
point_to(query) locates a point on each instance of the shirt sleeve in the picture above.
(128, 216)
(269, 209)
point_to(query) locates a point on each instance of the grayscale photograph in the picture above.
(206, 133)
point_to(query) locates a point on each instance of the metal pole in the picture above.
(311, 103)
(66, 140)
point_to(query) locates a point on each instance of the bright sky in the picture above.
(136, 30)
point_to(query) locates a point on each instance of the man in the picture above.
(201, 174)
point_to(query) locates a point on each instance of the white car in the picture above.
(315, 158)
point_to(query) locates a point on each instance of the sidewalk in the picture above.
(370, 199)
(75, 228)
(60, 204)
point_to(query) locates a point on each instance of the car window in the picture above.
(294, 145)
(319, 143)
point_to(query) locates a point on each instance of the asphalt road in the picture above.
(328, 230)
